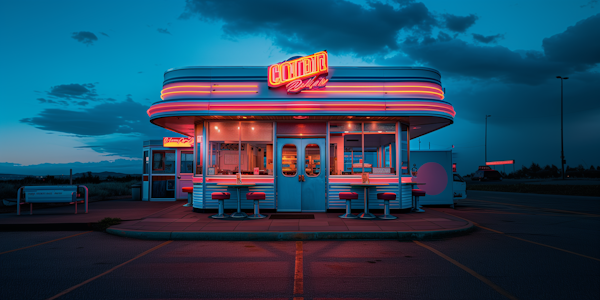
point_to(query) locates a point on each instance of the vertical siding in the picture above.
(336, 188)
(406, 196)
(267, 188)
(198, 193)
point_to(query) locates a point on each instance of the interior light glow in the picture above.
(252, 128)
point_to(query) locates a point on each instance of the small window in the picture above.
(289, 158)
(187, 162)
(163, 162)
(145, 162)
(312, 160)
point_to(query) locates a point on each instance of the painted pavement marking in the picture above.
(468, 270)
(110, 270)
(62, 238)
(524, 240)
(298, 273)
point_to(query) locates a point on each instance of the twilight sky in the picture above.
(78, 76)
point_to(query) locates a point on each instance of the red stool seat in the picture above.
(187, 189)
(255, 196)
(348, 195)
(220, 195)
(386, 196)
(417, 192)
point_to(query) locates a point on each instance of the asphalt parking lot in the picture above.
(526, 246)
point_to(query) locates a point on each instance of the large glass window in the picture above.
(404, 165)
(145, 162)
(163, 162)
(198, 149)
(356, 148)
(240, 147)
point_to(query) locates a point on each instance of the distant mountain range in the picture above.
(101, 175)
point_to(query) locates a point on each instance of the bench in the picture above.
(50, 194)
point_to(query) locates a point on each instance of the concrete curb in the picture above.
(290, 235)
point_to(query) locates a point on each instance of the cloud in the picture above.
(487, 39)
(340, 26)
(104, 34)
(104, 119)
(165, 31)
(85, 37)
(458, 23)
(578, 45)
(590, 4)
(74, 91)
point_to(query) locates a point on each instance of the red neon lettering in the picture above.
(298, 69)
(298, 85)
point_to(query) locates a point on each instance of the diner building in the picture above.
(300, 130)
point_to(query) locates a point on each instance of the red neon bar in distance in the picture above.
(500, 162)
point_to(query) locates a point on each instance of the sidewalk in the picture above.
(172, 221)
(180, 223)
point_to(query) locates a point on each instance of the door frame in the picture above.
(150, 175)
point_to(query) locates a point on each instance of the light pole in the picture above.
(562, 149)
(486, 116)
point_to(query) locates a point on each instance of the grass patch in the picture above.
(550, 189)
(103, 224)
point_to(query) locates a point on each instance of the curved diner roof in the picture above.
(412, 95)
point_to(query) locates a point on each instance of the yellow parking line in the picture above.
(541, 208)
(524, 240)
(110, 270)
(299, 273)
(468, 270)
(62, 238)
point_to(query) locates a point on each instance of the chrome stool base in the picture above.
(238, 215)
(219, 216)
(257, 216)
(387, 217)
(366, 215)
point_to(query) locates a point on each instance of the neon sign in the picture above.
(175, 142)
(298, 69)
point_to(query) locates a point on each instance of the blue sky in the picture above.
(78, 76)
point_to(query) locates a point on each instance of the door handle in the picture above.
(299, 178)
(303, 179)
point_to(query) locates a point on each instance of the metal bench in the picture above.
(50, 194)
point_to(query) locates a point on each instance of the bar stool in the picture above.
(190, 191)
(416, 194)
(348, 196)
(221, 196)
(386, 197)
(256, 196)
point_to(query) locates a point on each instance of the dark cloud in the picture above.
(458, 23)
(104, 34)
(340, 26)
(456, 57)
(103, 119)
(74, 91)
(590, 4)
(85, 37)
(487, 39)
(165, 31)
(578, 45)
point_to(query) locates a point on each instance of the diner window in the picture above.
(404, 162)
(312, 160)
(289, 159)
(145, 162)
(163, 162)
(199, 150)
(240, 147)
(187, 162)
(356, 148)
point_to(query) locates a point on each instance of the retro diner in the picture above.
(299, 131)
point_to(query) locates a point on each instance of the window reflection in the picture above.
(163, 162)
(312, 160)
(289, 160)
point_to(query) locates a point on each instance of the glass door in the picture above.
(162, 179)
(185, 172)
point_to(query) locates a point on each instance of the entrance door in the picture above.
(300, 176)
(162, 178)
(185, 172)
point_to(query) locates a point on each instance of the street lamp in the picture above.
(562, 149)
(486, 116)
